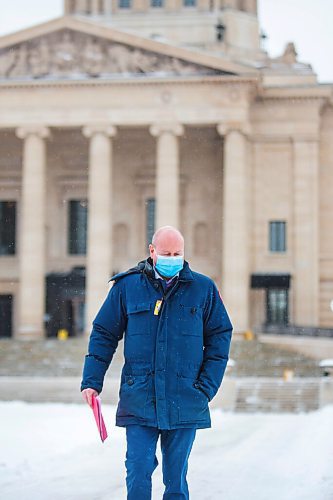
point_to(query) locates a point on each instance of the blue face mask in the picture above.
(169, 266)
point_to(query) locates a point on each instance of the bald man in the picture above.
(177, 336)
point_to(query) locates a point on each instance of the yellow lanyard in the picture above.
(157, 307)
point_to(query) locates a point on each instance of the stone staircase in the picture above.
(269, 395)
(51, 357)
(50, 370)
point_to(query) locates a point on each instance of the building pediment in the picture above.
(74, 49)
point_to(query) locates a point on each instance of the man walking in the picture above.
(177, 336)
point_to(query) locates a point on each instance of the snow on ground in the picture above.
(52, 450)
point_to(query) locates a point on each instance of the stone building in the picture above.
(124, 115)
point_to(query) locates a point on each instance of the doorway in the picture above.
(65, 302)
(277, 306)
(73, 319)
(6, 315)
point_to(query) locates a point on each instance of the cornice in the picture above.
(315, 93)
(121, 81)
(290, 139)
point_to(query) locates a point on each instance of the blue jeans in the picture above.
(141, 461)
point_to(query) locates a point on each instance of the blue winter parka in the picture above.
(175, 352)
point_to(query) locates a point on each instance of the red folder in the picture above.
(97, 409)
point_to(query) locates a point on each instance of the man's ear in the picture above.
(151, 248)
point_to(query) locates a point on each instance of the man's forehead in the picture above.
(167, 240)
(168, 248)
(169, 237)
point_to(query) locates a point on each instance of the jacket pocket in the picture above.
(193, 403)
(133, 395)
(191, 320)
(138, 318)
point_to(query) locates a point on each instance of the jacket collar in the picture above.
(185, 274)
(146, 266)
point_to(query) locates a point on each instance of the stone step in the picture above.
(242, 395)
(51, 357)
(279, 396)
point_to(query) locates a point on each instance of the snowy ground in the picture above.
(51, 451)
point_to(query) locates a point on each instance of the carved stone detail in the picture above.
(289, 55)
(288, 62)
(71, 54)
(108, 130)
(157, 129)
(38, 130)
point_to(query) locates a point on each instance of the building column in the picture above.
(107, 9)
(99, 251)
(32, 242)
(235, 226)
(167, 173)
(95, 7)
(306, 215)
(81, 6)
(67, 7)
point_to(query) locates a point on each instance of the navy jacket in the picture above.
(174, 360)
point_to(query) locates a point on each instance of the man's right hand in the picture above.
(87, 395)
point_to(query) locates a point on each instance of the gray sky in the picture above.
(308, 23)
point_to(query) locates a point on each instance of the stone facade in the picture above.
(92, 112)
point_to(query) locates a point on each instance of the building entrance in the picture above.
(65, 302)
(276, 286)
(277, 306)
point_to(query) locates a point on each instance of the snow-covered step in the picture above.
(278, 395)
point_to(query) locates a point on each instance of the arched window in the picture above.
(150, 219)
(77, 227)
(121, 237)
(200, 239)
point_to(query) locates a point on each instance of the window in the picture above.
(124, 4)
(189, 3)
(7, 227)
(277, 306)
(150, 219)
(121, 239)
(6, 310)
(156, 3)
(77, 227)
(277, 236)
(201, 239)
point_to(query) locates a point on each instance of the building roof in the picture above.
(67, 47)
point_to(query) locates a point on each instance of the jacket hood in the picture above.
(146, 266)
